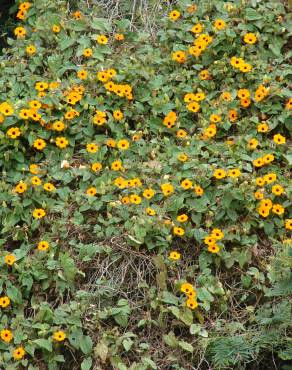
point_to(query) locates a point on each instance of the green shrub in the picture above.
(145, 188)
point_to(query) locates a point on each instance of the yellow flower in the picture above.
(277, 190)
(268, 158)
(252, 144)
(263, 127)
(49, 186)
(167, 189)
(219, 24)
(24, 6)
(288, 104)
(259, 195)
(179, 56)
(213, 248)
(182, 218)
(96, 166)
(123, 144)
(118, 115)
(226, 96)
(210, 131)
(6, 335)
(4, 301)
(116, 165)
(174, 256)
(61, 142)
(119, 37)
(250, 38)
(43, 245)
(30, 49)
(21, 187)
(198, 190)
(193, 106)
(288, 224)
(169, 119)
(87, 52)
(197, 28)
(181, 133)
(103, 76)
(150, 211)
(125, 200)
(24, 114)
(258, 162)
(6, 109)
(120, 182)
(234, 173)
(39, 213)
(77, 15)
(56, 28)
(243, 93)
(9, 259)
(219, 173)
(20, 32)
(13, 132)
(236, 62)
(204, 75)
(58, 126)
(82, 74)
(148, 193)
(91, 191)
(266, 203)
(264, 212)
(182, 157)
(215, 118)
(54, 85)
(92, 147)
(36, 181)
(209, 240)
(192, 303)
(186, 288)
(191, 8)
(18, 353)
(135, 199)
(39, 144)
(186, 184)
(245, 67)
(270, 177)
(59, 336)
(41, 86)
(111, 143)
(102, 39)
(34, 169)
(174, 15)
(217, 234)
(278, 209)
(279, 139)
(260, 181)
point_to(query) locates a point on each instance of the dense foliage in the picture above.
(145, 186)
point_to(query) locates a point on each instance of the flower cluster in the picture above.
(165, 145)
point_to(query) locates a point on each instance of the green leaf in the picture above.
(195, 328)
(186, 346)
(252, 15)
(68, 265)
(127, 343)
(86, 344)
(86, 364)
(170, 340)
(14, 294)
(101, 350)
(100, 24)
(66, 43)
(44, 343)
